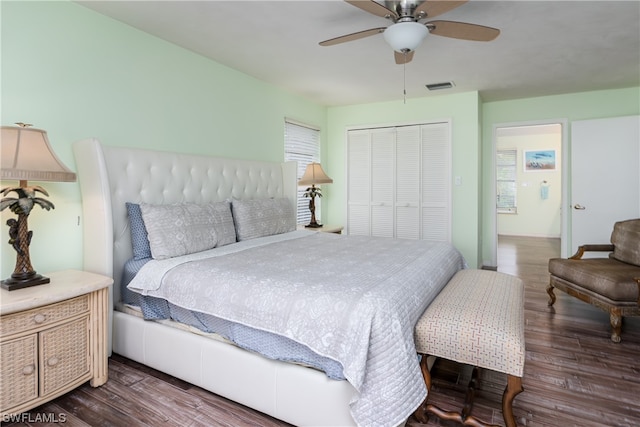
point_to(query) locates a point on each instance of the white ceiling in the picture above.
(545, 47)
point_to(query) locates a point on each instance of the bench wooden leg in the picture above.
(421, 414)
(470, 397)
(514, 387)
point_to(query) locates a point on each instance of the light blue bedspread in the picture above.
(352, 299)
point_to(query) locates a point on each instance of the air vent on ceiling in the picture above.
(438, 86)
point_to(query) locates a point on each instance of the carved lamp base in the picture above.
(19, 281)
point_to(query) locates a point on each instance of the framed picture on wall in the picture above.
(539, 160)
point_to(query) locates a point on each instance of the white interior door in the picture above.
(407, 201)
(358, 186)
(605, 177)
(382, 182)
(398, 181)
(436, 182)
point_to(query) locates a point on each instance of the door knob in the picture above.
(579, 207)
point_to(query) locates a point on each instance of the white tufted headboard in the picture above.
(111, 176)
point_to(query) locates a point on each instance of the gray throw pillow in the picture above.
(184, 228)
(262, 217)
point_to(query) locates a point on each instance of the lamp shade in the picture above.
(405, 36)
(26, 155)
(314, 175)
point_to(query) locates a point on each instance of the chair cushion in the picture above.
(626, 241)
(605, 276)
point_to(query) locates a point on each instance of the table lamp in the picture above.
(314, 175)
(26, 155)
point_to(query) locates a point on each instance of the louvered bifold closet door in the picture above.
(436, 182)
(382, 181)
(399, 181)
(407, 206)
(358, 186)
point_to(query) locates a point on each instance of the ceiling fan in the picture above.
(407, 32)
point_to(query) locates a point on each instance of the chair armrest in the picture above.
(591, 248)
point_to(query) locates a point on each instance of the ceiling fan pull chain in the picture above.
(404, 77)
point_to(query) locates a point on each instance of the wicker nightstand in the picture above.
(53, 338)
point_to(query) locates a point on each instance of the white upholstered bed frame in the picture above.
(111, 176)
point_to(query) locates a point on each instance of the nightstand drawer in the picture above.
(42, 316)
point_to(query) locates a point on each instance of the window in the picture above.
(302, 144)
(506, 173)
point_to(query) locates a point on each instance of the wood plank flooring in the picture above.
(574, 375)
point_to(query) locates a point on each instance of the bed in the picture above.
(379, 380)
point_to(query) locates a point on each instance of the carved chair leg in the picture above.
(615, 318)
(552, 296)
(421, 413)
(514, 387)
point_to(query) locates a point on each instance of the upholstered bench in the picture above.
(477, 320)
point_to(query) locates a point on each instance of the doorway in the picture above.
(529, 183)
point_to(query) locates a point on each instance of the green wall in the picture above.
(78, 74)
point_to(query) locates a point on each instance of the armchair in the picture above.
(611, 284)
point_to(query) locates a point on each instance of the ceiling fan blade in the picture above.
(430, 9)
(375, 8)
(403, 58)
(353, 36)
(462, 30)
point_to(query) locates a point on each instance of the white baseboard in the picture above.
(546, 236)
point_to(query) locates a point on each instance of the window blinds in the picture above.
(506, 174)
(302, 144)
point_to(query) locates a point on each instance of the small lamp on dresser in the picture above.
(26, 155)
(314, 175)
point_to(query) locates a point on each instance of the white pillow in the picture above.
(184, 228)
(262, 217)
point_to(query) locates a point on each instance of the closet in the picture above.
(399, 181)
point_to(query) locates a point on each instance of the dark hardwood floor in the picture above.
(574, 375)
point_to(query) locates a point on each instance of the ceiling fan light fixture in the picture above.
(405, 36)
